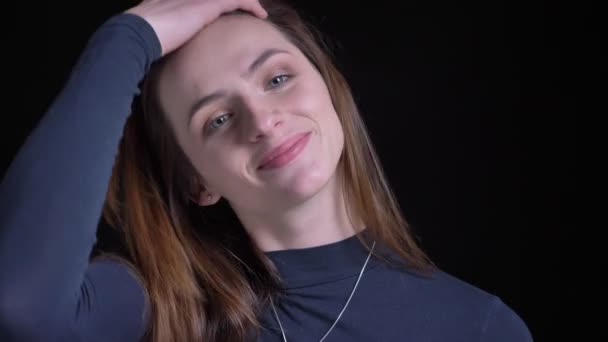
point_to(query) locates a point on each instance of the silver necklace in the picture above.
(341, 312)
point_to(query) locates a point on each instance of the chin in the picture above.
(304, 185)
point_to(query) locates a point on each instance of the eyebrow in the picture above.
(203, 101)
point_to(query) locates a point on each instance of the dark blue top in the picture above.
(50, 204)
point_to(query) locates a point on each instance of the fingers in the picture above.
(252, 6)
(176, 21)
(256, 8)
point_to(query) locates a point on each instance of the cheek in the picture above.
(224, 167)
(310, 98)
(314, 102)
(217, 163)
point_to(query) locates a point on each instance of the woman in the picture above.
(245, 201)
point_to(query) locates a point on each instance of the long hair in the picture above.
(203, 276)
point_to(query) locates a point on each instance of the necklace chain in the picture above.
(343, 309)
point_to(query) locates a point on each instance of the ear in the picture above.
(204, 198)
(201, 195)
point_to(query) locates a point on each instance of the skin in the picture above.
(296, 206)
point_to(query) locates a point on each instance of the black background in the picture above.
(465, 101)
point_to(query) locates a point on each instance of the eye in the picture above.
(278, 80)
(219, 121)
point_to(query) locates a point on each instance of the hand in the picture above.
(176, 21)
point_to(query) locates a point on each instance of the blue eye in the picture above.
(219, 121)
(278, 80)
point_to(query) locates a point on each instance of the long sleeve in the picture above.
(52, 195)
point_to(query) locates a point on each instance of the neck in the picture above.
(319, 220)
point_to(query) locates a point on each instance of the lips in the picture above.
(284, 148)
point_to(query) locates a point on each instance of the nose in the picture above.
(262, 118)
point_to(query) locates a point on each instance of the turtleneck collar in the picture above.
(321, 264)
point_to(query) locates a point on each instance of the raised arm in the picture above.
(53, 192)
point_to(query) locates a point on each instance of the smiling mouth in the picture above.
(287, 155)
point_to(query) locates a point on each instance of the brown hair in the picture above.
(204, 277)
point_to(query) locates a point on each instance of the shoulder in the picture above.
(466, 303)
(503, 324)
(452, 307)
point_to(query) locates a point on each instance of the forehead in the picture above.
(226, 46)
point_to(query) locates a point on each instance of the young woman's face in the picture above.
(235, 92)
